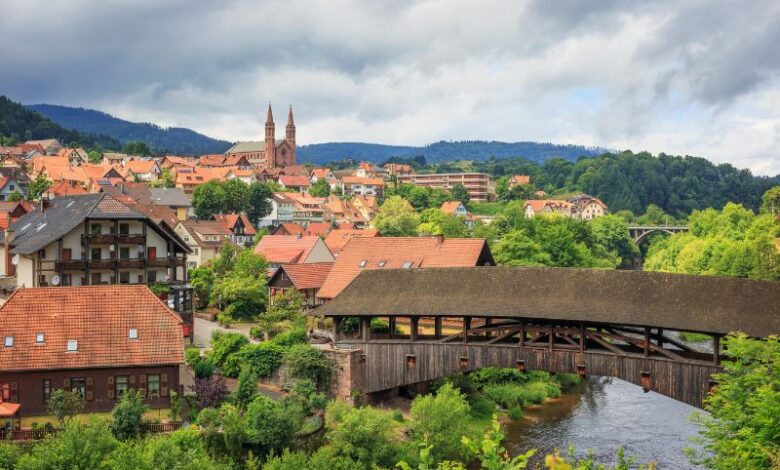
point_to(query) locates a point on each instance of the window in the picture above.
(96, 278)
(140, 278)
(153, 385)
(79, 385)
(186, 239)
(9, 341)
(95, 229)
(151, 252)
(46, 390)
(124, 277)
(67, 280)
(67, 254)
(133, 333)
(407, 265)
(124, 252)
(124, 229)
(73, 345)
(40, 338)
(120, 385)
(11, 187)
(362, 263)
(152, 276)
(94, 253)
(382, 263)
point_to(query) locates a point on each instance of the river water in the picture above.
(604, 414)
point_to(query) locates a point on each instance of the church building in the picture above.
(269, 153)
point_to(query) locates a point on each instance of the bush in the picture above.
(290, 337)
(191, 356)
(497, 375)
(127, 417)
(567, 381)
(226, 318)
(441, 420)
(224, 345)
(515, 412)
(256, 332)
(203, 369)
(481, 407)
(262, 358)
(536, 392)
(270, 426)
(306, 362)
(350, 325)
(379, 325)
(505, 395)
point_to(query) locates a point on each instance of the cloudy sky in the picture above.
(684, 77)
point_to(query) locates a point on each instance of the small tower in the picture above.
(270, 144)
(290, 129)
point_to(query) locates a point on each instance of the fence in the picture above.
(42, 433)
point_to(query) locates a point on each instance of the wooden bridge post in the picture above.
(488, 323)
(466, 327)
(582, 337)
(391, 324)
(716, 350)
(552, 335)
(437, 327)
(365, 328)
(336, 328)
(647, 342)
(522, 333)
(413, 324)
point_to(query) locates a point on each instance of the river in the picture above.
(604, 414)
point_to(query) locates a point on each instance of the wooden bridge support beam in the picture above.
(365, 328)
(466, 328)
(414, 327)
(437, 327)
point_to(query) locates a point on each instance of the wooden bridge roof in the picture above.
(671, 301)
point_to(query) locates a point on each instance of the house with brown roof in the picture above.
(588, 207)
(338, 238)
(192, 178)
(204, 238)
(340, 211)
(242, 232)
(367, 206)
(288, 228)
(75, 156)
(519, 180)
(293, 249)
(294, 182)
(361, 254)
(143, 170)
(306, 278)
(98, 341)
(49, 146)
(395, 169)
(457, 209)
(363, 186)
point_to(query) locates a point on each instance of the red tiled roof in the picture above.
(140, 166)
(9, 410)
(394, 252)
(336, 239)
(229, 221)
(66, 188)
(288, 228)
(285, 248)
(363, 181)
(449, 207)
(98, 318)
(319, 229)
(294, 180)
(306, 275)
(521, 179)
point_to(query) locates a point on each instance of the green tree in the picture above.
(127, 419)
(201, 278)
(611, 232)
(435, 222)
(307, 362)
(137, 148)
(236, 195)
(94, 157)
(38, 186)
(258, 203)
(770, 201)
(518, 249)
(441, 420)
(320, 188)
(76, 447)
(460, 193)
(165, 180)
(364, 435)
(209, 199)
(246, 390)
(243, 289)
(396, 218)
(742, 428)
(270, 427)
(65, 404)
(15, 196)
(287, 308)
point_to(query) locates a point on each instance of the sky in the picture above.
(682, 77)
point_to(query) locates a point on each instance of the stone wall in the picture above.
(347, 381)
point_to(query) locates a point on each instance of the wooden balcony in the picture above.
(70, 265)
(121, 263)
(124, 263)
(112, 238)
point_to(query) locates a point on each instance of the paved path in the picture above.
(204, 328)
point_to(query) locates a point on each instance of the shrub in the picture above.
(256, 332)
(270, 427)
(442, 419)
(505, 395)
(398, 416)
(496, 375)
(203, 369)
(226, 318)
(290, 337)
(223, 345)
(192, 356)
(127, 417)
(262, 358)
(553, 389)
(515, 412)
(535, 392)
(306, 362)
(350, 325)
(64, 404)
(481, 407)
(210, 392)
(379, 325)
(567, 381)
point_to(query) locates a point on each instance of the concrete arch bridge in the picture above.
(590, 322)
(640, 232)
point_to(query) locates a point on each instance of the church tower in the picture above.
(270, 144)
(290, 135)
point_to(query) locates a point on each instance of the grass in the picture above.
(162, 414)
(694, 337)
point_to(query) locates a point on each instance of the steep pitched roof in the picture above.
(402, 252)
(319, 229)
(173, 197)
(338, 238)
(200, 228)
(98, 318)
(305, 275)
(286, 248)
(449, 207)
(250, 146)
(288, 228)
(294, 181)
(66, 188)
(141, 166)
(230, 220)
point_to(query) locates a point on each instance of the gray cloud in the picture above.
(697, 77)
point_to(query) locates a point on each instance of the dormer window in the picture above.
(73, 345)
(9, 341)
(407, 265)
(40, 338)
(133, 333)
(382, 263)
(363, 263)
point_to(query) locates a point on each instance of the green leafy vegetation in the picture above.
(232, 196)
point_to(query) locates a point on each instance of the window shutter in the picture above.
(90, 396)
(110, 389)
(163, 385)
(131, 380)
(66, 384)
(13, 396)
(142, 380)
(142, 391)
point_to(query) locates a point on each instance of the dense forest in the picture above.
(175, 140)
(22, 124)
(442, 151)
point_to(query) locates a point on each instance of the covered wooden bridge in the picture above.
(591, 322)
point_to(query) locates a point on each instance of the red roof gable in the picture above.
(285, 248)
(304, 276)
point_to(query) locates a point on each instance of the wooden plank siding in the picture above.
(387, 365)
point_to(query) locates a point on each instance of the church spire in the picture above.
(270, 117)
(290, 129)
(290, 121)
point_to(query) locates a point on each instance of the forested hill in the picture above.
(22, 124)
(175, 140)
(442, 151)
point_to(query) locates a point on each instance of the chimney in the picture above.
(45, 203)
(122, 188)
(440, 239)
(299, 235)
